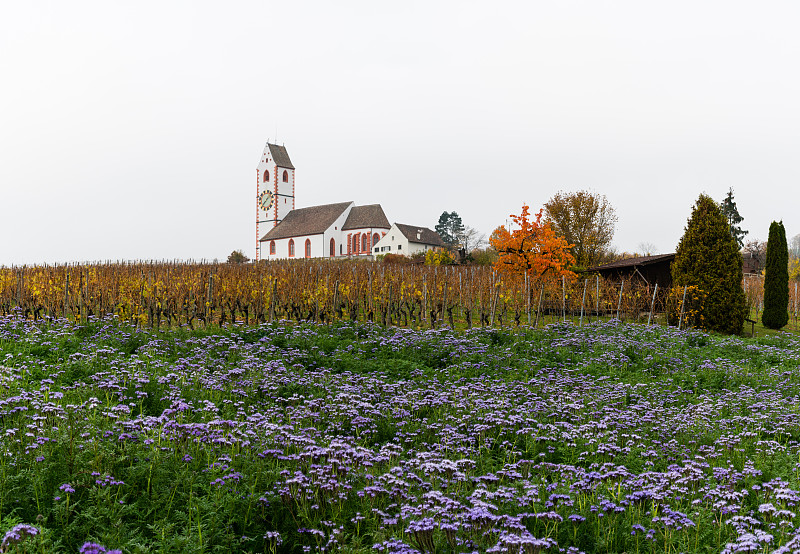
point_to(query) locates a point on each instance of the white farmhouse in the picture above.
(407, 240)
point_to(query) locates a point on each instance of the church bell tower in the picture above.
(274, 190)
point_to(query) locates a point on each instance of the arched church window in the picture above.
(333, 248)
(375, 238)
(285, 176)
(266, 176)
(272, 247)
(308, 248)
(291, 248)
(365, 242)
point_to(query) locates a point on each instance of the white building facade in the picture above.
(407, 240)
(327, 231)
(274, 190)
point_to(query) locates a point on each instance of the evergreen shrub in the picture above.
(708, 258)
(776, 279)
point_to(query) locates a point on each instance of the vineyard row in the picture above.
(175, 294)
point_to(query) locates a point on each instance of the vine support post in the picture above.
(369, 275)
(444, 297)
(652, 305)
(585, 284)
(272, 299)
(461, 295)
(619, 302)
(528, 297)
(209, 297)
(493, 304)
(683, 303)
(539, 306)
(424, 295)
(597, 300)
(66, 294)
(563, 298)
(20, 284)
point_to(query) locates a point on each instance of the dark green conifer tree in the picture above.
(731, 213)
(708, 257)
(450, 228)
(776, 279)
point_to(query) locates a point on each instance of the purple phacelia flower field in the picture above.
(360, 438)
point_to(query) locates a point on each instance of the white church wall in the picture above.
(370, 232)
(285, 196)
(335, 232)
(282, 248)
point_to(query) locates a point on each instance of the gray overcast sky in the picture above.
(132, 130)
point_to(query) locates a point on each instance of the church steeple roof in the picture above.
(280, 156)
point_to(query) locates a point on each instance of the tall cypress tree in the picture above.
(708, 257)
(776, 279)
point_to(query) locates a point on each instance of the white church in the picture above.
(329, 231)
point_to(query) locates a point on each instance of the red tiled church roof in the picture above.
(370, 216)
(313, 220)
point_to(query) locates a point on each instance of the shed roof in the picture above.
(313, 220)
(361, 217)
(634, 262)
(280, 156)
(426, 236)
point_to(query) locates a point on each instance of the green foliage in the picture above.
(395, 259)
(586, 220)
(731, 213)
(449, 228)
(438, 257)
(237, 257)
(690, 305)
(708, 258)
(485, 256)
(776, 279)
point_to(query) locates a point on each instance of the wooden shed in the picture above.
(648, 269)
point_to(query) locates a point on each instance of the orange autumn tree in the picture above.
(533, 247)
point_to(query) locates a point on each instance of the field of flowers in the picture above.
(355, 437)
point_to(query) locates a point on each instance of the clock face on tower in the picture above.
(265, 200)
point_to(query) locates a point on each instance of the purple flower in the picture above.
(92, 548)
(17, 534)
